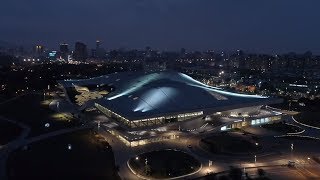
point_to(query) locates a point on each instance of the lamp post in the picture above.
(147, 169)
(244, 173)
(289, 105)
(291, 147)
(58, 106)
(255, 159)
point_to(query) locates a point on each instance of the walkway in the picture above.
(22, 141)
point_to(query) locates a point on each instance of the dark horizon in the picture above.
(260, 27)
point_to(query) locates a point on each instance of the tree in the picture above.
(235, 173)
(261, 172)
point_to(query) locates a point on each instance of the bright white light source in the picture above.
(47, 125)
(155, 98)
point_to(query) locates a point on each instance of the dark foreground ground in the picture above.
(89, 158)
(8, 132)
(30, 110)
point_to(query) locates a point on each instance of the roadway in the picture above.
(123, 153)
(271, 156)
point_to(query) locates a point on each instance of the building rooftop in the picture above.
(139, 95)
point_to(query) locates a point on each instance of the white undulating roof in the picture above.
(138, 95)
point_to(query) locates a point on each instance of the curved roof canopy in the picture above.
(138, 95)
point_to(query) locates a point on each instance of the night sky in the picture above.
(272, 26)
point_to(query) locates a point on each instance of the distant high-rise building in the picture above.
(80, 53)
(148, 52)
(98, 52)
(97, 45)
(38, 50)
(64, 48)
(52, 55)
(64, 51)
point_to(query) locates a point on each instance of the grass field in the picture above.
(8, 132)
(89, 158)
(30, 110)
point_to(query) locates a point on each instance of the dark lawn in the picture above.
(30, 110)
(309, 118)
(165, 164)
(227, 143)
(8, 132)
(282, 127)
(90, 158)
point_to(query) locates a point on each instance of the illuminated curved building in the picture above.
(139, 100)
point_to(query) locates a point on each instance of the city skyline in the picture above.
(268, 27)
(159, 89)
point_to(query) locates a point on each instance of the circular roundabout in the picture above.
(164, 164)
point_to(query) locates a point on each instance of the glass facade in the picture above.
(148, 121)
(140, 142)
(250, 122)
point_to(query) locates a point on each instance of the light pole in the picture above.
(308, 160)
(58, 106)
(291, 147)
(244, 173)
(255, 159)
(289, 105)
(146, 166)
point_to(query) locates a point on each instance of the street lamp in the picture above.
(291, 147)
(255, 159)
(47, 125)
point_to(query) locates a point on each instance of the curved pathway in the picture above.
(4, 151)
(308, 131)
(21, 140)
(14, 145)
